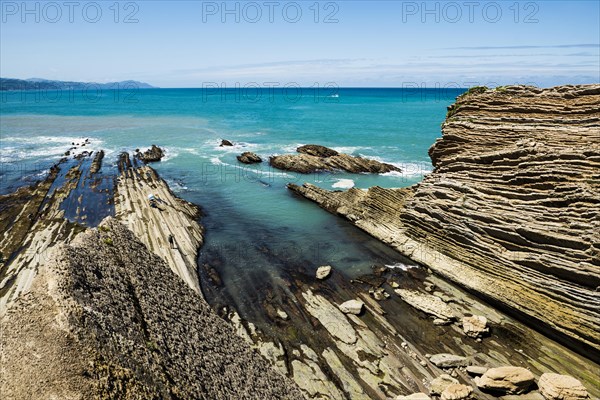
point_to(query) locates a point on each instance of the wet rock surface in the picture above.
(153, 154)
(428, 303)
(561, 387)
(165, 223)
(510, 210)
(248, 157)
(323, 272)
(106, 318)
(313, 158)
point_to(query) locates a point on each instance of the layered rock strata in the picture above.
(313, 158)
(511, 210)
(106, 318)
(167, 225)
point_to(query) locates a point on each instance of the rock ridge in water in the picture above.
(313, 158)
(106, 318)
(153, 154)
(511, 210)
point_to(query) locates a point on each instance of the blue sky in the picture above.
(349, 43)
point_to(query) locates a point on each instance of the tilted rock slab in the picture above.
(106, 318)
(427, 303)
(314, 158)
(561, 387)
(153, 226)
(511, 210)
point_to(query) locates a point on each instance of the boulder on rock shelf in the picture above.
(323, 271)
(352, 307)
(282, 314)
(427, 303)
(249, 157)
(561, 387)
(439, 384)
(446, 360)
(511, 380)
(457, 391)
(475, 326)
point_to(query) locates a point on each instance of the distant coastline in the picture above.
(10, 84)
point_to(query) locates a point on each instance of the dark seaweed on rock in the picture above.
(108, 319)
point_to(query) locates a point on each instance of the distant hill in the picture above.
(43, 84)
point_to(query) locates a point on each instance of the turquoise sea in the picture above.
(255, 228)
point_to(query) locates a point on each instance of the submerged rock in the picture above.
(97, 162)
(511, 380)
(312, 158)
(248, 157)
(561, 387)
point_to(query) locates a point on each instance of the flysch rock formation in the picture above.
(511, 210)
(31, 222)
(106, 318)
(171, 217)
(313, 158)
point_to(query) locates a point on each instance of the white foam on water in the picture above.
(175, 186)
(401, 266)
(407, 169)
(238, 147)
(170, 153)
(344, 184)
(216, 161)
(291, 148)
(25, 148)
(351, 149)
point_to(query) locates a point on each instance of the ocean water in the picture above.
(255, 228)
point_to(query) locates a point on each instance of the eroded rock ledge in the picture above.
(172, 218)
(312, 158)
(512, 209)
(107, 318)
